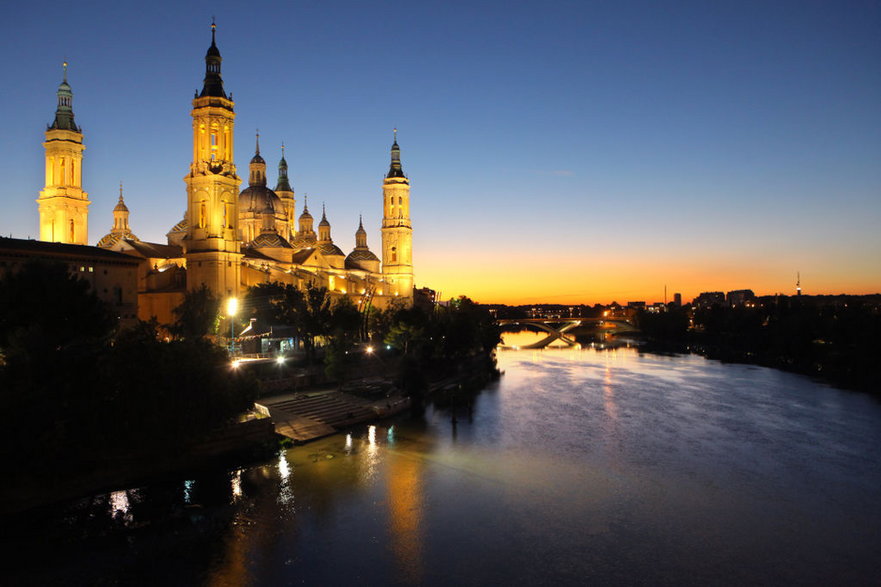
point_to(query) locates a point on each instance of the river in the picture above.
(580, 466)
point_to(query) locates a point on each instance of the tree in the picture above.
(315, 317)
(197, 316)
(52, 330)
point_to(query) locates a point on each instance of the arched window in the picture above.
(203, 214)
(72, 233)
(394, 254)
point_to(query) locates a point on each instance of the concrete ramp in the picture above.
(307, 416)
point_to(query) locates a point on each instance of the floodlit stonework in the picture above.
(231, 238)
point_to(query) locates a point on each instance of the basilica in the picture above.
(229, 239)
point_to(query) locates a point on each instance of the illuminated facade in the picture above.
(230, 240)
(63, 204)
(212, 243)
(397, 232)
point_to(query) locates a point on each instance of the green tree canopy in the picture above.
(197, 316)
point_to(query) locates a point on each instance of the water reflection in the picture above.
(405, 497)
(285, 492)
(236, 485)
(583, 466)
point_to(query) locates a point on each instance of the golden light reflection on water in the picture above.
(119, 506)
(609, 393)
(405, 514)
(285, 493)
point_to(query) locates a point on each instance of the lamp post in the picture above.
(232, 306)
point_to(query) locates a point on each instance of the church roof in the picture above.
(252, 253)
(300, 256)
(329, 248)
(110, 240)
(270, 240)
(257, 198)
(156, 250)
(302, 241)
(362, 255)
(33, 248)
(180, 227)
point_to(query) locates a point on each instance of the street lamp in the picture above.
(232, 306)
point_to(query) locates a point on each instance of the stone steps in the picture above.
(305, 417)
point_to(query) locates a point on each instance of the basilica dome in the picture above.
(257, 199)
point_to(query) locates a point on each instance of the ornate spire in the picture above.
(120, 205)
(284, 185)
(64, 111)
(213, 84)
(360, 235)
(257, 168)
(324, 221)
(395, 169)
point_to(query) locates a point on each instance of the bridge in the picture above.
(558, 328)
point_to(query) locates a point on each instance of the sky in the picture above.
(561, 152)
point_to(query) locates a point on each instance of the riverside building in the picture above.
(230, 238)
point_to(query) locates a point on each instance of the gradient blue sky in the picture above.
(558, 151)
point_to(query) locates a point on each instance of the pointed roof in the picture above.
(324, 221)
(64, 110)
(284, 185)
(120, 206)
(305, 213)
(395, 169)
(257, 158)
(213, 83)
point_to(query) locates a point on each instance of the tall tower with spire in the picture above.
(285, 193)
(63, 205)
(212, 244)
(397, 232)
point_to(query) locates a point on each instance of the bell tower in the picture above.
(212, 244)
(63, 205)
(397, 232)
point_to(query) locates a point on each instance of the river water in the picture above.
(580, 466)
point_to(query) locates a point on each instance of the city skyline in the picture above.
(573, 155)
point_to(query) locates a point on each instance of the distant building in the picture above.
(677, 299)
(740, 297)
(708, 299)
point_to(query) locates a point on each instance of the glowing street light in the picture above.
(232, 307)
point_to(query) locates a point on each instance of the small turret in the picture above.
(121, 230)
(361, 257)
(257, 168)
(324, 227)
(306, 219)
(284, 184)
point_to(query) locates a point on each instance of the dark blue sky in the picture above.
(580, 151)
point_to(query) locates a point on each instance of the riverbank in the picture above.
(237, 444)
(830, 366)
